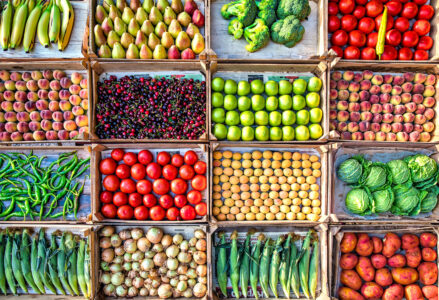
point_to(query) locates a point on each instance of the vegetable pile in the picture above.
(129, 192)
(279, 266)
(404, 187)
(266, 186)
(152, 108)
(47, 105)
(149, 30)
(32, 264)
(382, 107)
(258, 21)
(388, 268)
(271, 113)
(32, 188)
(152, 263)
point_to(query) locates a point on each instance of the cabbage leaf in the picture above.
(350, 170)
(357, 201)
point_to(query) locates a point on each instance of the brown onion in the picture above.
(165, 279)
(119, 251)
(153, 292)
(199, 234)
(177, 239)
(159, 259)
(182, 269)
(109, 289)
(143, 244)
(136, 233)
(138, 282)
(125, 235)
(105, 242)
(143, 292)
(200, 257)
(202, 279)
(165, 291)
(172, 251)
(130, 246)
(154, 235)
(107, 255)
(201, 270)
(116, 241)
(106, 231)
(166, 241)
(201, 245)
(199, 290)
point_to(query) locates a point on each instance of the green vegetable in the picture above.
(80, 267)
(257, 36)
(254, 265)
(2, 264)
(52, 265)
(244, 10)
(421, 167)
(236, 29)
(357, 201)
(376, 177)
(25, 250)
(399, 171)
(264, 265)
(87, 268)
(294, 270)
(383, 200)
(298, 8)
(382, 34)
(61, 260)
(234, 263)
(304, 264)
(313, 269)
(274, 266)
(221, 265)
(34, 265)
(284, 275)
(288, 31)
(244, 270)
(267, 11)
(16, 264)
(8, 265)
(406, 199)
(43, 262)
(350, 170)
(429, 202)
(72, 262)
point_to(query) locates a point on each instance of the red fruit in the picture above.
(389, 24)
(187, 212)
(426, 12)
(117, 154)
(410, 39)
(405, 54)
(200, 167)
(374, 8)
(120, 199)
(337, 50)
(153, 170)
(402, 24)
(332, 9)
(390, 53)
(372, 39)
(351, 52)
(420, 2)
(368, 53)
(106, 197)
(172, 214)
(141, 213)
(107, 166)
(199, 183)
(346, 6)
(409, 11)
(157, 213)
(180, 200)
(123, 171)
(128, 186)
(425, 43)
(160, 186)
(111, 183)
(144, 186)
(198, 18)
(359, 12)
(166, 201)
(361, 2)
(138, 171)
(194, 197)
(201, 209)
(339, 38)
(178, 186)
(421, 55)
(163, 158)
(130, 158)
(333, 23)
(149, 200)
(190, 157)
(393, 7)
(135, 199)
(186, 172)
(109, 211)
(177, 160)
(169, 172)
(357, 38)
(367, 25)
(348, 23)
(125, 212)
(145, 157)
(421, 27)
(393, 37)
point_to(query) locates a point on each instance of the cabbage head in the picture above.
(376, 178)
(429, 202)
(406, 199)
(383, 200)
(350, 170)
(357, 201)
(399, 171)
(421, 167)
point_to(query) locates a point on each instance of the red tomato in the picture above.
(144, 186)
(141, 213)
(172, 214)
(393, 37)
(359, 12)
(190, 157)
(160, 186)
(135, 199)
(180, 200)
(130, 158)
(374, 8)
(178, 186)
(128, 186)
(194, 197)
(346, 6)
(348, 23)
(402, 24)
(138, 171)
(357, 38)
(145, 157)
(332, 9)
(337, 51)
(199, 183)
(393, 7)
(425, 43)
(106, 197)
(421, 55)
(120, 199)
(410, 39)
(368, 53)
(111, 183)
(389, 24)
(372, 39)
(153, 170)
(117, 154)
(421, 27)
(351, 52)
(187, 212)
(390, 53)
(123, 171)
(166, 201)
(426, 12)
(333, 23)
(361, 2)
(201, 209)
(409, 11)
(177, 160)
(186, 172)
(157, 213)
(107, 166)
(163, 158)
(405, 54)
(420, 2)
(149, 200)
(200, 167)
(367, 25)
(125, 212)
(109, 211)
(339, 38)
(169, 172)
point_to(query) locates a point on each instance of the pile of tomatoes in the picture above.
(136, 186)
(354, 25)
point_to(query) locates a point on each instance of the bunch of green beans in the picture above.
(274, 265)
(32, 264)
(34, 191)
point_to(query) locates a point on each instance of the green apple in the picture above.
(287, 133)
(262, 133)
(234, 133)
(218, 84)
(248, 133)
(257, 86)
(302, 133)
(314, 84)
(271, 103)
(315, 131)
(230, 102)
(261, 117)
(218, 115)
(275, 118)
(285, 102)
(244, 103)
(299, 102)
(275, 134)
(232, 118)
(302, 117)
(299, 86)
(258, 102)
(243, 88)
(288, 117)
(247, 118)
(271, 88)
(220, 131)
(230, 87)
(285, 87)
(313, 100)
(217, 99)
(315, 115)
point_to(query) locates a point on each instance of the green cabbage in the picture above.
(421, 167)
(383, 200)
(429, 202)
(399, 171)
(357, 201)
(350, 171)
(376, 178)
(406, 199)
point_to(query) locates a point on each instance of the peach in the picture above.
(54, 85)
(74, 134)
(358, 77)
(58, 74)
(354, 87)
(46, 114)
(396, 127)
(46, 125)
(332, 84)
(84, 104)
(396, 90)
(429, 113)
(84, 94)
(53, 95)
(354, 97)
(385, 98)
(346, 135)
(2, 117)
(367, 74)
(11, 127)
(76, 77)
(364, 126)
(336, 75)
(69, 125)
(23, 116)
(10, 85)
(402, 137)
(44, 84)
(431, 79)
(386, 127)
(57, 116)
(407, 87)
(425, 137)
(414, 136)
(75, 100)
(365, 85)
(420, 119)
(63, 135)
(28, 136)
(386, 88)
(35, 116)
(7, 106)
(16, 136)
(366, 116)
(68, 115)
(354, 116)
(2, 87)
(343, 95)
(357, 136)
(410, 107)
(9, 95)
(348, 75)
(407, 127)
(4, 75)
(365, 106)
(21, 96)
(42, 104)
(429, 91)
(377, 79)
(405, 98)
(65, 82)
(32, 96)
(48, 74)
(74, 89)
(418, 128)
(429, 101)
(51, 135)
(418, 88)
(39, 135)
(5, 136)
(398, 80)
(398, 118)
(333, 94)
(375, 90)
(10, 116)
(36, 75)
(342, 105)
(23, 127)
(82, 121)
(21, 85)
(364, 95)
(420, 109)
(377, 118)
(390, 137)
(77, 110)
(18, 106)
(428, 126)
(332, 114)
(376, 108)
(26, 76)
(353, 127)
(65, 105)
(395, 99)
(420, 78)
(83, 83)
(409, 117)
(387, 78)
(375, 127)
(354, 106)
(399, 109)
(32, 85)
(388, 108)
(332, 104)
(83, 130)
(64, 95)
(57, 126)
(380, 136)
(369, 136)
(409, 76)
(53, 105)
(43, 94)
(332, 124)
(16, 76)
(342, 84)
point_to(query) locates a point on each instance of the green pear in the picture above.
(197, 43)
(127, 15)
(100, 14)
(160, 28)
(104, 51)
(147, 27)
(140, 39)
(126, 39)
(147, 5)
(114, 13)
(182, 41)
(153, 41)
(121, 4)
(159, 52)
(177, 6)
(132, 52)
(145, 52)
(191, 30)
(133, 27)
(135, 4)
(119, 26)
(184, 18)
(174, 28)
(162, 4)
(113, 38)
(155, 16)
(107, 25)
(167, 40)
(107, 4)
(141, 15)
(169, 15)
(100, 38)
(118, 51)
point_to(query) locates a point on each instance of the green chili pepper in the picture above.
(264, 266)
(221, 265)
(382, 34)
(254, 265)
(274, 266)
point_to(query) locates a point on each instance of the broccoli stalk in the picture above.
(288, 31)
(257, 35)
(236, 29)
(244, 10)
(298, 8)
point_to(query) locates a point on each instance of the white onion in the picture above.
(183, 278)
(121, 291)
(128, 282)
(127, 266)
(166, 241)
(193, 242)
(117, 278)
(184, 245)
(174, 282)
(191, 282)
(172, 251)
(172, 263)
(144, 274)
(191, 273)
(181, 286)
(199, 290)
(193, 264)
(130, 246)
(158, 248)
(138, 255)
(149, 254)
(199, 234)
(201, 270)
(184, 257)
(155, 283)
(164, 279)
(147, 264)
(153, 292)
(202, 279)
(105, 278)
(133, 291)
(177, 239)
(136, 266)
(143, 244)
(109, 289)
(171, 273)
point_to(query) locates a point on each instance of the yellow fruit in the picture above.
(306, 164)
(297, 164)
(288, 172)
(277, 202)
(239, 203)
(267, 154)
(230, 217)
(286, 164)
(312, 217)
(291, 216)
(283, 194)
(276, 164)
(257, 164)
(234, 180)
(237, 156)
(254, 180)
(226, 186)
(297, 156)
(254, 187)
(216, 196)
(217, 155)
(257, 155)
(292, 194)
(259, 202)
(316, 173)
(216, 211)
(245, 187)
(221, 217)
(280, 216)
(236, 164)
(248, 172)
(304, 186)
(297, 172)
(277, 156)
(311, 179)
(305, 156)
(235, 189)
(240, 217)
(224, 178)
(316, 210)
(236, 196)
(228, 171)
(287, 155)
(245, 195)
(266, 163)
(265, 187)
(306, 202)
(316, 165)
(301, 180)
(273, 194)
(291, 179)
(282, 179)
(225, 209)
(217, 163)
(285, 208)
(301, 216)
(260, 216)
(295, 209)
(226, 163)
(217, 203)
(297, 201)
(268, 172)
(270, 216)
(234, 210)
(313, 158)
(246, 155)
(249, 202)
(313, 195)
(263, 179)
(306, 210)
(227, 154)
(237, 172)
(274, 209)
(217, 188)
(250, 216)
(275, 187)
(315, 203)
(264, 209)
(285, 187)
(229, 202)
(295, 187)
(268, 202)
(247, 164)
(264, 195)
(216, 175)
(278, 172)
(307, 172)
(287, 201)
(315, 187)
(254, 209)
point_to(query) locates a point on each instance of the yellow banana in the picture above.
(31, 27)
(54, 23)
(43, 26)
(5, 31)
(68, 19)
(18, 24)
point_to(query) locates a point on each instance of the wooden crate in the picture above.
(273, 232)
(391, 68)
(320, 150)
(103, 151)
(382, 152)
(102, 70)
(267, 72)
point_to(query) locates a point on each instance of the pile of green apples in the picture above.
(284, 110)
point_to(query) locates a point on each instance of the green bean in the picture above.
(234, 263)
(42, 260)
(8, 265)
(254, 265)
(80, 267)
(34, 265)
(2, 264)
(304, 264)
(244, 269)
(264, 265)
(221, 265)
(285, 267)
(52, 265)
(62, 264)
(16, 264)
(313, 269)
(274, 265)
(26, 262)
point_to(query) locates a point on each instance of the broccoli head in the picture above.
(236, 29)
(267, 4)
(267, 11)
(288, 31)
(298, 8)
(257, 35)
(244, 10)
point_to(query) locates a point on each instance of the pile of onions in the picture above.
(155, 264)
